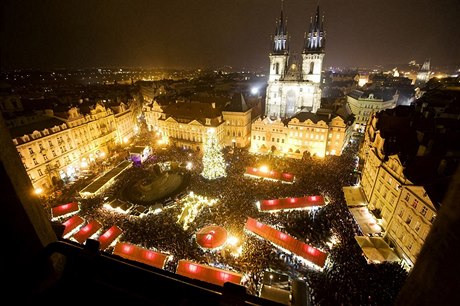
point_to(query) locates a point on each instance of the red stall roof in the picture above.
(207, 273)
(139, 254)
(87, 231)
(287, 242)
(64, 209)
(211, 237)
(106, 239)
(72, 224)
(292, 203)
(270, 174)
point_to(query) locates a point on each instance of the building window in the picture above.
(432, 218)
(408, 219)
(424, 210)
(31, 151)
(40, 172)
(415, 203)
(45, 157)
(417, 226)
(401, 212)
(409, 246)
(35, 162)
(407, 197)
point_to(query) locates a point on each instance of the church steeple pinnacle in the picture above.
(280, 45)
(315, 39)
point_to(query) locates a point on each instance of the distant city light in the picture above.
(254, 90)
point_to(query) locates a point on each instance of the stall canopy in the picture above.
(366, 220)
(207, 273)
(287, 242)
(64, 210)
(292, 203)
(376, 250)
(87, 231)
(139, 254)
(354, 196)
(211, 237)
(270, 174)
(106, 239)
(101, 182)
(71, 224)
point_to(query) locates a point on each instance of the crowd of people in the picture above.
(346, 279)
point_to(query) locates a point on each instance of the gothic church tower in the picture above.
(313, 52)
(295, 86)
(280, 54)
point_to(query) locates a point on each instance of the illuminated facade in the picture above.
(423, 76)
(237, 117)
(321, 133)
(63, 143)
(185, 124)
(293, 86)
(406, 211)
(364, 104)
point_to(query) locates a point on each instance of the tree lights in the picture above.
(213, 159)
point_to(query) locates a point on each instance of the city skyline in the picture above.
(203, 33)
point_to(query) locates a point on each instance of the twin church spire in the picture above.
(315, 38)
(280, 41)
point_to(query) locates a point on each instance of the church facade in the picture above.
(294, 85)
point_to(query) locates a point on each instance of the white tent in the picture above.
(376, 250)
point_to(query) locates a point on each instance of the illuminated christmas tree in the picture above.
(213, 158)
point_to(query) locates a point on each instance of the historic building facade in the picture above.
(185, 124)
(293, 85)
(365, 103)
(63, 143)
(238, 118)
(404, 208)
(319, 134)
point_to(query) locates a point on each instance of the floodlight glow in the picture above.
(264, 169)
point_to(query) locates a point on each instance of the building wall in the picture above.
(285, 98)
(278, 64)
(411, 222)
(363, 108)
(59, 152)
(314, 61)
(190, 135)
(407, 212)
(237, 128)
(126, 124)
(297, 137)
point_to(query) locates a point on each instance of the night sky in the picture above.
(215, 33)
